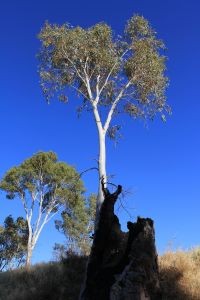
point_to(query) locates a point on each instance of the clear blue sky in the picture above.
(159, 164)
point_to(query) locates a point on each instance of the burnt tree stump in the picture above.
(121, 266)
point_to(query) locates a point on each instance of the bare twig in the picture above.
(87, 170)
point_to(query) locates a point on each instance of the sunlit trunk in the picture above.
(101, 160)
(29, 255)
(30, 245)
(102, 168)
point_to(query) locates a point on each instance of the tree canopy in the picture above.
(13, 242)
(58, 182)
(44, 185)
(105, 68)
(78, 226)
(112, 74)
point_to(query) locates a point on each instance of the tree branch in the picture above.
(45, 221)
(53, 214)
(97, 90)
(97, 118)
(114, 104)
(87, 83)
(93, 168)
(73, 65)
(112, 69)
(79, 91)
(24, 204)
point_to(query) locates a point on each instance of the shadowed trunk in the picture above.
(121, 265)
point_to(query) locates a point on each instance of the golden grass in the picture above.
(180, 275)
(50, 281)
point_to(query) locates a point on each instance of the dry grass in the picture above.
(52, 281)
(180, 275)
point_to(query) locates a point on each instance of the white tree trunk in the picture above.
(29, 255)
(34, 235)
(29, 244)
(101, 159)
(102, 167)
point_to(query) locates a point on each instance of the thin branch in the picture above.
(97, 90)
(88, 87)
(73, 65)
(126, 210)
(86, 64)
(41, 200)
(85, 171)
(92, 72)
(33, 198)
(114, 104)
(110, 183)
(79, 91)
(37, 233)
(112, 69)
(24, 204)
(53, 215)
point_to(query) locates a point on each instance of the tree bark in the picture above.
(29, 256)
(102, 170)
(29, 243)
(121, 265)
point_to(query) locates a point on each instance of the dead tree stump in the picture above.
(122, 266)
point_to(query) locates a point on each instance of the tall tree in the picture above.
(45, 186)
(13, 242)
(78, 227)
(113, 75)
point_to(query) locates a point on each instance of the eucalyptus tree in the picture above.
(13, 242)
(45, 186)
(78, 227)
(112, 74)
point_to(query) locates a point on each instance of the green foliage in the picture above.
(145, 67)
(45, 186)
(43, 174)
(78, 226)
(13, 241)
(65, 47)
(133, 64)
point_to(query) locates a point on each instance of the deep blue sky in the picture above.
(159, 164)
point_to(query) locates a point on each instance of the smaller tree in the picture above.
(78, 227)
(13, 242)
(45, 186)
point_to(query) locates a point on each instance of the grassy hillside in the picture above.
(179, 274)
(52, 281)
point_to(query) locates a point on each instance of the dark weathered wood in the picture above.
(121, 265)
(139, 278)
